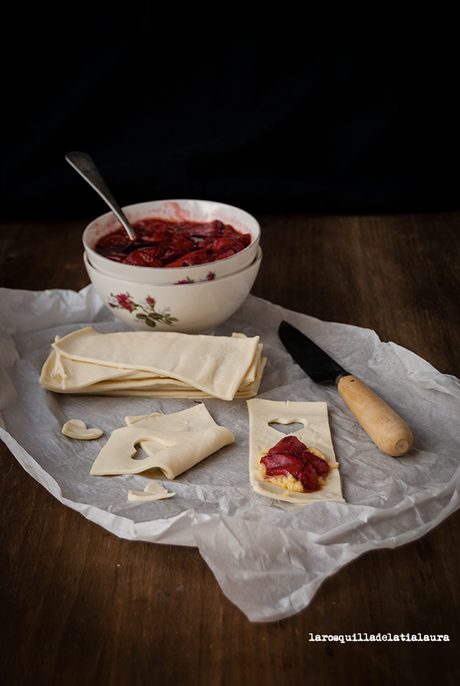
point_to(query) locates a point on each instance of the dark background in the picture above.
(272, 110)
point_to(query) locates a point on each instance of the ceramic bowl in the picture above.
(185, 308)
(175, 210)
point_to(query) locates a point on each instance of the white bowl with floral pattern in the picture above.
(174, 210)
(185, 308)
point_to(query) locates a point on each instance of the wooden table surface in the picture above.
(80, 606)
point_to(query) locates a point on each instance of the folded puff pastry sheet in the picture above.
(154, 364)
(173, 443)
(315, 434)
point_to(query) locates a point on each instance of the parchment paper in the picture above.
(268, 557)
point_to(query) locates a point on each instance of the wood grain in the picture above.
(81, 606)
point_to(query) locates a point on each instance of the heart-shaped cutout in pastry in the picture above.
(287, 427)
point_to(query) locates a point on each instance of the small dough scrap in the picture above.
(193, 418)
(153, 491)
(76, 428)
(315, 432)
(174, 443)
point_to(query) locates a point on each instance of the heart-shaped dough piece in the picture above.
(76, 428)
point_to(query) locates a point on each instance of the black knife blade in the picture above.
(315, 362)
(389, 432)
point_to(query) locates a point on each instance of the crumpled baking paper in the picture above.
(268, 556)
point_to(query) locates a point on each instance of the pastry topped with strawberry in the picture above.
(291, 465)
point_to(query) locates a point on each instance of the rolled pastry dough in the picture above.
(173, 443)
(315, 433)
(154, 364)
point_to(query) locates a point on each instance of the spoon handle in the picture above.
(85, 166)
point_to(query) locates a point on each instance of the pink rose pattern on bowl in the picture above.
(148, 314)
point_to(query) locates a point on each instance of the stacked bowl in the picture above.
(186, 299)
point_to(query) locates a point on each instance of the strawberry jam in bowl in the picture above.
(177, 242)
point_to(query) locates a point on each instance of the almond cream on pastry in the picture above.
(292, 465)
(292, 477)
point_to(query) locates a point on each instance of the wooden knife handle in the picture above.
(388, 431)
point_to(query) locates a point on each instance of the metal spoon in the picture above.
(85, 166)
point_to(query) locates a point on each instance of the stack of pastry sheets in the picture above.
(159, 364)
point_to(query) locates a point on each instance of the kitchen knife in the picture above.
(389, 432)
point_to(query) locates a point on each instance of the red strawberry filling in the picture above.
(292, 457)
(161, 243)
